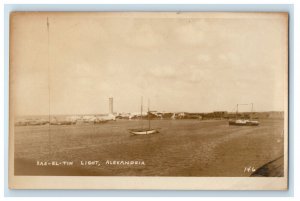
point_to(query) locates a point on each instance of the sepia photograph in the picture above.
(162, 100)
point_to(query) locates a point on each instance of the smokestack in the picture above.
(111, 105)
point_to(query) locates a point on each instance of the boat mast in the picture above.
(142, 112)
(149, 113)
(237, 111)
(251, 111)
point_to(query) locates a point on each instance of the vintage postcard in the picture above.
(148, 100)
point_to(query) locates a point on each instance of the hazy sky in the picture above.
(181, 62)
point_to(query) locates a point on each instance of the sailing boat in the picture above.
(243, 122)
(143, 131)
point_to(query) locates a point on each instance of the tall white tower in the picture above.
(111, 105)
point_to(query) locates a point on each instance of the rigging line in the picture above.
(244, 103)
(233, 109)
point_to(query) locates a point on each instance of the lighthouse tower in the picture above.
(111, 105)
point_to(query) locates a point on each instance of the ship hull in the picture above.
(143, 132)
(243, 123)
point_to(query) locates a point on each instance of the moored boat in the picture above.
(243, 122)
(144, 131)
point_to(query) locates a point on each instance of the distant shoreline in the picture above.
(46, 115)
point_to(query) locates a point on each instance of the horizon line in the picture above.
(146, 112)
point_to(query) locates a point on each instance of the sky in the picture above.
(177, 61)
